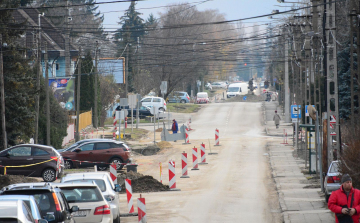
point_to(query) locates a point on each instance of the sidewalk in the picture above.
(299, 199)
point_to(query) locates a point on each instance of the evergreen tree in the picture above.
(132, 28)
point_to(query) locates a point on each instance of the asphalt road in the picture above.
(235, 185)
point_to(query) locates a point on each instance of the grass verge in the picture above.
(182, 108)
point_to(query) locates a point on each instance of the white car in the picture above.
(30, 202)
(154, 102)
(106, 185)
(219, 85)
(16, 211)
(87, 196)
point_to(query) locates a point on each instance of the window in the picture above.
(117, 145)
(20, 151)
(100, 183)
(146, 100)
(57, 66)
(78, 194)
(102, 145)
(157, 100)
(87, 147)
(39, 152)
(27, 212)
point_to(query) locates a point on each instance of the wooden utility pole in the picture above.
(127, 71)
(77, 136)
(67, 41)
(96, 86)
(47, 96)
(37, 97)
(3, 120)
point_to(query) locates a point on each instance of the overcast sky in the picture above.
(232, 9)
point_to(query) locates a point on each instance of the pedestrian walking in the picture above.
(345, 202)
(174, 127)
(277, 119)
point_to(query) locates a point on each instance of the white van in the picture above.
(237, 89)
(202, 97)
(154, 101)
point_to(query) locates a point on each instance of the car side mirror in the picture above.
(77, 150)
(74, 209)
(117, 188)
(43, 221)
(49, 217)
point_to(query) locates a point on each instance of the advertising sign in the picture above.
(63, 90)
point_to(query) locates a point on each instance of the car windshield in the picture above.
(233, 89)
(334, 168)
(81, 194)
(99, 182)
(201, 96)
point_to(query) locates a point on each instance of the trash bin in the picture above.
(131, 167)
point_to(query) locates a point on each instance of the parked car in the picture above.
(49, 163)
(143, 111)
(108, 189)
(79, 143)
(154, 101)
(237, 89)
(31, 203)
(100, 153)
(51, 200)
(202, 97)
(219, 85)
(93, 207)
(179, 97)
(14, 211)
(332, 180)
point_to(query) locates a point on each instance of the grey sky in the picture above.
(232, 9)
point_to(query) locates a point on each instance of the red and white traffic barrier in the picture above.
(114, 135)
(141, 210)
(92, 134)
(195, 159)
(203, 156)
(113, 173)
(217, 135)
(114, 123)
(188, 126)
(184, 165)
(284, 137)
(125, 122)
(129, 195)
(172, 178)
(187, 140)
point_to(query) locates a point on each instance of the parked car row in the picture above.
(86, 197)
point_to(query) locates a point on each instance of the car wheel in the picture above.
(117, 220)
(49, 175)
(102, 168)
(183, 101)
(161, 109)
(118, 162)
(68, 164)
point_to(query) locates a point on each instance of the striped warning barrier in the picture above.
(172, 178)
(187, 140)
(141, 210)
(113, 173)
(195, 159)
(184, 165)
(203, 156)
(217, 143)
(129, 195)
(114, 135)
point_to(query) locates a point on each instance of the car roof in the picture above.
(87, 175)
(33, 145)
(75, 184)
(7, 208)
(29, 186)
(16, 197)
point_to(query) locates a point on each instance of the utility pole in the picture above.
(2, 86)
(287, 89)
(96, 86)
(47, 96)
(77, 136)
(127, 71)
(67, 41)
(352, 71)
(332, 84)
(37, 97)
(307, 67)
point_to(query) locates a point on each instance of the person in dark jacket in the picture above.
(345, 202)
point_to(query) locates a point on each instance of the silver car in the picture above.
(16, 211)
(87, 196)
(332, 179)
(106, 185)
(30, 202)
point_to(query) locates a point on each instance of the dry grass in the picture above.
(164, 144)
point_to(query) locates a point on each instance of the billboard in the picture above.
(64, 91)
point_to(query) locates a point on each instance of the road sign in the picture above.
(244, 98)
(332, 119)
(296, 111)
(124, 102)
(306, 110)
(132, 100)
(333, 133)
(294, 120)
(163, 87)
(331, 126)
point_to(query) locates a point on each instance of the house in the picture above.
(49, 34)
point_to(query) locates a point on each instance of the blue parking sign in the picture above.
(244, 98)
(295, 111)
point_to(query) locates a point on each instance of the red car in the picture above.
(100, 153)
